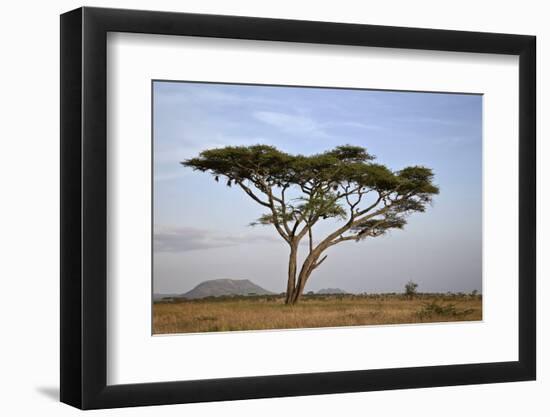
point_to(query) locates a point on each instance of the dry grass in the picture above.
(259, 313)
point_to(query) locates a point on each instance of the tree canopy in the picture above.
(299, 191)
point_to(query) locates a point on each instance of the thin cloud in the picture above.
(210, 95)
(291, 123)
(353, 124)
(182, 239)
(303, 125)
(438, 121)
(190, 145)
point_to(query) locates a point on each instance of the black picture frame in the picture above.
(84, 207)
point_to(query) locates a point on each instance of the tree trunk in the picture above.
(298, 291)
(305, 272)
(292, 261)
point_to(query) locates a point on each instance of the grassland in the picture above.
(269, 312)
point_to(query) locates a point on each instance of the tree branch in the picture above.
(369, 208)
(317, 264)
(248, 191)
(310, 234)
(271, 206)
(283, 210)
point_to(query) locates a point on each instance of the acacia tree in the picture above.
(299, 192)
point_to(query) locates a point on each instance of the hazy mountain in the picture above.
(331, 291)
(159, 297)
(219, 287)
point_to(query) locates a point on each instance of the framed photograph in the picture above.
(258, 208)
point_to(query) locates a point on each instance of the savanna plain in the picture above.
(238, 313)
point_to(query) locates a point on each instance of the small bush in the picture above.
(410, 289)
(446, 310)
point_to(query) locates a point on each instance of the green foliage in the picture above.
(343, 183)
(378, 226)
(272, 218)
(343, 165)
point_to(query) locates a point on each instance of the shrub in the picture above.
(446, 310)
(410, 289)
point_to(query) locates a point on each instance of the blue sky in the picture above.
(201, 227)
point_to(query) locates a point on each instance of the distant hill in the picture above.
(219, 287)
(331, 291)
(159, 297)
